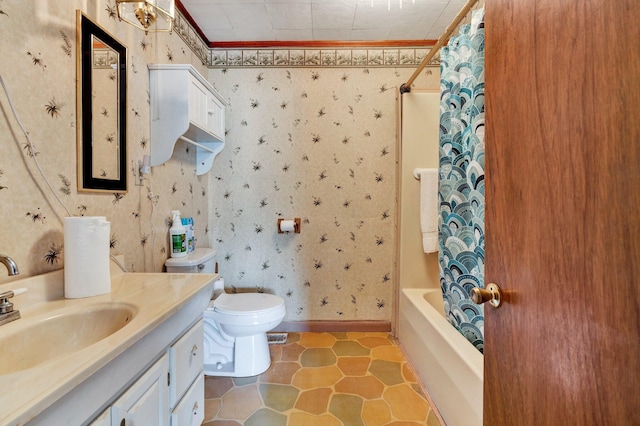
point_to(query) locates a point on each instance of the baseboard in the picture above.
(334, 326)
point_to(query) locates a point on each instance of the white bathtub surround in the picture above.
(450, 367)
(75, 387)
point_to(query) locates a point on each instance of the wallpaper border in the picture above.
(309, 57)
(313, 57)
(190, 36)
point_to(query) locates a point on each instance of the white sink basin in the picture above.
(61, 334)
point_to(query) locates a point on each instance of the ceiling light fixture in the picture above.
(149, 15)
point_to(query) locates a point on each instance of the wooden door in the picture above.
(563, 212)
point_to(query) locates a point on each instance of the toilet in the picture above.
(235, 325)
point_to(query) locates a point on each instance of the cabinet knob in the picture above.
(195, 408)
(194, 350)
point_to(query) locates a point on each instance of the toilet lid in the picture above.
(247, 303)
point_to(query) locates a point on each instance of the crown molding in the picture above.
(315, 44)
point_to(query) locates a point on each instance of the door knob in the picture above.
(491, 294)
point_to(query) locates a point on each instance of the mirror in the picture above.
(101, 108)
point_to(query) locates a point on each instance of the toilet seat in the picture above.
(246, 304)
(246, 314)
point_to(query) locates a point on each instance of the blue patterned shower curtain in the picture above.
(461, 186)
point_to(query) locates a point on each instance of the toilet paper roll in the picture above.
(86, 256)
(287, 226)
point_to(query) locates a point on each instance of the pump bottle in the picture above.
(178, 235)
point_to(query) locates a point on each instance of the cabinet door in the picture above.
(198, 103)
(215, 117)
(190, 411)
(146, 401)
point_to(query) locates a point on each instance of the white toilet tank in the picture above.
(199, 261)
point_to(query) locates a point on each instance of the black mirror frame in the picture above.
(86, 180)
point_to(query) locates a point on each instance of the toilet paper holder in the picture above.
(296, 225)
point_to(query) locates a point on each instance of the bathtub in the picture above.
(450, 367)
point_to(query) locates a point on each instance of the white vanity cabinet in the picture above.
(169, 393)
(146, 401)
(149, 369)
(184, 106)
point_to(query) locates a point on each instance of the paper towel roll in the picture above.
(86, 256)
(287, 226)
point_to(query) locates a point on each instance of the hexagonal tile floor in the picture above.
(324, 379)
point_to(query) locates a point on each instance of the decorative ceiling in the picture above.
(300, 21)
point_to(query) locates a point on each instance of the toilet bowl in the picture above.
(235, 325)
(235, 333)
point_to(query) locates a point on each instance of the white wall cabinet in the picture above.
(205, 110)
(184, 106)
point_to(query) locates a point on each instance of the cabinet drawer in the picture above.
(190, 411)
(186, 361)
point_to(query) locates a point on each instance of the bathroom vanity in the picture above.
(133, 356)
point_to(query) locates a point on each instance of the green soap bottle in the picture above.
(178, 235)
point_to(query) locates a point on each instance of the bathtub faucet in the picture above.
(10, 264)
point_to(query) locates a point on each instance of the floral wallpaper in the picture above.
(313, 141)
(318, 144)
(38, 67)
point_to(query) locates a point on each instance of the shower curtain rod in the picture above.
(406, 87)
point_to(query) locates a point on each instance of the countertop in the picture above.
(156, 297)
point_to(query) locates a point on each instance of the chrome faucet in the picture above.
(10, 264)
(7, 313)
